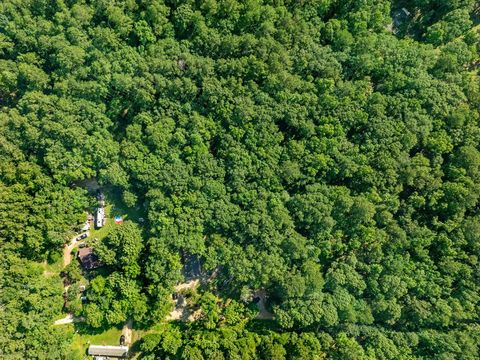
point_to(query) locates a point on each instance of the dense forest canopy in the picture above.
(323, 151)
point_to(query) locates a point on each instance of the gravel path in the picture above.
(127, 331)
(68, 320)
(67, 249)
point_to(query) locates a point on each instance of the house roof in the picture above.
(102, 350)
(88, 259)
(84, 252)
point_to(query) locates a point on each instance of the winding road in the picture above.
(67, 259)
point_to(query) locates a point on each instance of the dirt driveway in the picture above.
(127, 331)
(67, 249)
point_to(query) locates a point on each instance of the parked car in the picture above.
(81, 237)
(122, 340)
(82, 245)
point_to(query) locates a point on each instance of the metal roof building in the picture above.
(111, 351)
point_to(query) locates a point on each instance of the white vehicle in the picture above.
(86, 226)
(100, 217)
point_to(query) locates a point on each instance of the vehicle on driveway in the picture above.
(81, 237)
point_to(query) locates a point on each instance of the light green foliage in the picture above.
(118, 296)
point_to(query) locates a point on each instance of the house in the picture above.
(105, 351)
(100, 217)
(88, 259)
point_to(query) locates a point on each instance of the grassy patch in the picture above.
(52, 269)
(114, 206)
(83, 337)
(139, 333)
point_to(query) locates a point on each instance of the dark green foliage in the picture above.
(297, 147)
(29, 303)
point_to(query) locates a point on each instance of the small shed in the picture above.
(108, 351)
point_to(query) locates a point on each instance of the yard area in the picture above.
(114, 207)
(83, 336)
(82, 339)
(52, 269)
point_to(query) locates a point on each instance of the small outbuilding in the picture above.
(108, 351)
